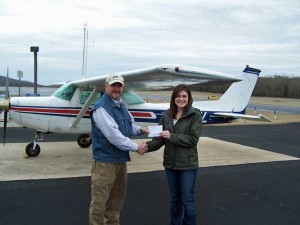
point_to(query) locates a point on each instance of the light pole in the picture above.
(35, 49)
(20, 75)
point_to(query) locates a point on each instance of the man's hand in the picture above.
(144, 130)
(142, 148)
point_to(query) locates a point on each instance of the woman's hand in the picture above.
(165, 134)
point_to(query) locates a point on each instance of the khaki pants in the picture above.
(108, 192)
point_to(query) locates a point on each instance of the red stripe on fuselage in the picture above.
(69, 111)
(141, 114)
(48, 110)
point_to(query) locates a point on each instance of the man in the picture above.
(112, 128)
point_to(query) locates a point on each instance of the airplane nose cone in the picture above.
(4, 104)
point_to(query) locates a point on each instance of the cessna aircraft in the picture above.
(67, 109)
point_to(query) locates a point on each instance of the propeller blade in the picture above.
(7, 85)
(5, 106)
(5, 126)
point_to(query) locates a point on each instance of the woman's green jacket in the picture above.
(181, 149)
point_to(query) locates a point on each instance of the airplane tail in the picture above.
(237, 96)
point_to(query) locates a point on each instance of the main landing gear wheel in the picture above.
(32, 152)
(84, 140)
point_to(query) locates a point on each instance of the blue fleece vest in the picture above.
(103, 150)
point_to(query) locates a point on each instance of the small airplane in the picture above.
(67, 109)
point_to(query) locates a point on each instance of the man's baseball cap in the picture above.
(114, 78)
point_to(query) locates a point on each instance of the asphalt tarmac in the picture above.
(231, 190)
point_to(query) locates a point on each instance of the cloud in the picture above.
(220, 35)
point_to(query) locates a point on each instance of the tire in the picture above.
(32, 152)
(84, 140)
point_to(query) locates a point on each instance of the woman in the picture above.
(182, 125)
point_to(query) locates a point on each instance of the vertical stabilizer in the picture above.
(238, 94)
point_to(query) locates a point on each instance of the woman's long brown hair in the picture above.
(173, 106)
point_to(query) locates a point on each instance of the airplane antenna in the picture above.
(83, 58)
(85, 46)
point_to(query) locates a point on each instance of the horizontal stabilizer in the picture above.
(260, 117)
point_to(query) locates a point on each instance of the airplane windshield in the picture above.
(65, 92)
(132, 98)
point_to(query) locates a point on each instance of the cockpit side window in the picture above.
(84, 95)
(65, 92)
(132, 98)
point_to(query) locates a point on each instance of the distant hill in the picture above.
(15, 82)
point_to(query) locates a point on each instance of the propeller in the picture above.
(4, 105)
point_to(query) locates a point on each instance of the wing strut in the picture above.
(85, 106)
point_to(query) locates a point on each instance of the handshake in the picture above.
(142, 148)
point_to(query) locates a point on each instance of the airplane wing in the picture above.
(162, 76)
(155, 77)
(259, 117)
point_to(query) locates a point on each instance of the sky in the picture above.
(221, 35)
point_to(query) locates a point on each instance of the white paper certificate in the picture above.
(154, 131)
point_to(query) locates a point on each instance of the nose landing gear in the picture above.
(33, 149)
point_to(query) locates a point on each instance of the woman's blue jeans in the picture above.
(181, 186)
